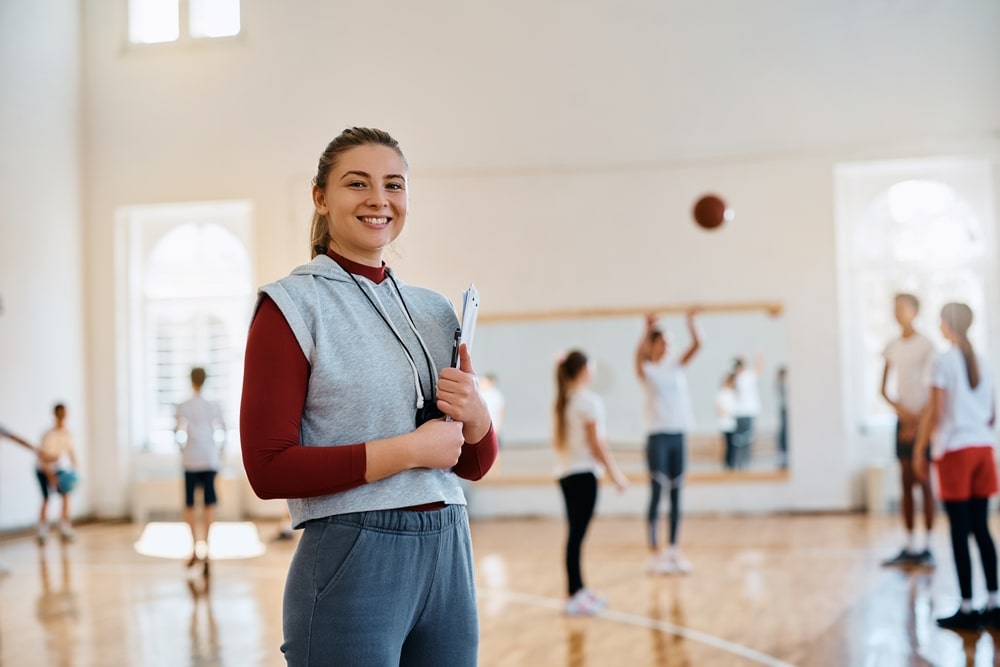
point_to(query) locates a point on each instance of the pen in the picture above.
(454, 349)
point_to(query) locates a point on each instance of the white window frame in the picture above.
(184, 35)
(857, 187)
(138, 230)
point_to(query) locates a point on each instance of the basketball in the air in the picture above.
(710, 211)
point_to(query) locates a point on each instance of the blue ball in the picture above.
(66, 480)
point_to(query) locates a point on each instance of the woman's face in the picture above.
(946, 331)
(658, 349)
(365, 200)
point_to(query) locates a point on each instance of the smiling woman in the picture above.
(346, 367)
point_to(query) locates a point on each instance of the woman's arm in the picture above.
(275, 380)
(16, 438)
(929, 420)
(599, 448)
(695, 339)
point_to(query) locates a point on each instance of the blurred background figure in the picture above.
(725, 411)
(198, 420)
(909, 358)
(747, 407)
(781, 390)
(56, 471)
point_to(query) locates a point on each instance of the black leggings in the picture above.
(580, 493)
(665, 458)
(969, 517)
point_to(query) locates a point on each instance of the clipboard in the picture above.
(470, 313)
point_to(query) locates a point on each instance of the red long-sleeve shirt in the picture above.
(275, 381)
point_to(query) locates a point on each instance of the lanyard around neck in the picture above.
(406, 350)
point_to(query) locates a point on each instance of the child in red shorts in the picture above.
(961, 415)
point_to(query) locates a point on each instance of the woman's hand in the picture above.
(920, 466)
(620, 480)
(458, 397)
(437, 444)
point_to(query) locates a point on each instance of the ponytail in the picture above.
(566, 371)
(971, 365)
(958, 317)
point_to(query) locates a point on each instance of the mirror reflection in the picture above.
(735, 380)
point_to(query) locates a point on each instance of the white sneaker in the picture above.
(582, 604)
(66, 532)
(598, 599)
(43, 532)
(661, 564)
(681, 565)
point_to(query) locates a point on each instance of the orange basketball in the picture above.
(710, 212)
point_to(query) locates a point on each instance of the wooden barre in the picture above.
(772, 308)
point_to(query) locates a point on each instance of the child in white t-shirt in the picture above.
(962, 420)
(909, 357)
(670, 418)
(582, 456)
(725, 412)
(56, 456)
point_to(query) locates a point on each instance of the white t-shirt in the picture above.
(57, 445)
(911, 358)
(584, 407)
(965, 419)
(668, 403)
(725, 410)
(199, 418)
(747, 395)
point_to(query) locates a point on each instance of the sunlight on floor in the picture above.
(226, 540)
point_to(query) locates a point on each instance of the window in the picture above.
(158, 21)
(909, 228)
(190, 289)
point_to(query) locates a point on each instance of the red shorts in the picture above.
(967, 473)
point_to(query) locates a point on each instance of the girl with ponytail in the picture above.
(961, 418)
(582, 455)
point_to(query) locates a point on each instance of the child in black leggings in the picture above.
(582, 450)
(962, 413)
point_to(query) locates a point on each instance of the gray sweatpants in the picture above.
(383, 588)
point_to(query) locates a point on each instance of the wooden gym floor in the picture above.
(777, 590)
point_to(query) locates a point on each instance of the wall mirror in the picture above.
(521, 350)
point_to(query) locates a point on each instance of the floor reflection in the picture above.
(57, 608)
(204, 630)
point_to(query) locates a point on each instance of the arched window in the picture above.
(919, 235)
(192, 288)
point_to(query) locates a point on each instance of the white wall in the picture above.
(564, 142)
(42, 327)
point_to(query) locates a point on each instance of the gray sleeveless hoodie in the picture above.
(361, 384)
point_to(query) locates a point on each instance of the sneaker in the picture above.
(681, 564)
(991, 618)
(43, 533)
(904, 557)
(66, 533)
(581, 604)
(962, 621)
(924, 559)
(598, 599)
(659, 564)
